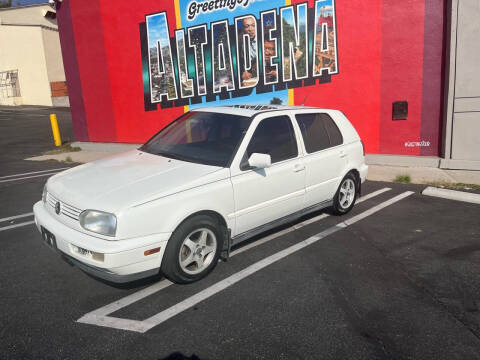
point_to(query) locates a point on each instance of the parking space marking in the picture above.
(33, 172)
(29, 177)
(130, 299)
(17, 225)
(322, 216)
(302, 224)
(139, 295)
(373, 194)
(100, 318)
(16, 217)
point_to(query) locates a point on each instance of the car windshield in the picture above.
(200, 137)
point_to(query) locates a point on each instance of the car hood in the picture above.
(129, 179)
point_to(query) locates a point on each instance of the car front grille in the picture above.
(65, 209)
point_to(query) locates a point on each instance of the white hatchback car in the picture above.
(210, 179)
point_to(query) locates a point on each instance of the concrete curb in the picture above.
(76, 157)
(90, 152)
(105, 147)
(452, 194)
(403, 160)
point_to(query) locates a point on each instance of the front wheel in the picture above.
(193, 250)
(346, 195)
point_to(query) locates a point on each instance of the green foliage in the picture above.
(289, 36)
(276, 101)
(404, 179)
(65, 148)
(5, 3)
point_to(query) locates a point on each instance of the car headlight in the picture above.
(44, 194)
(99, 222)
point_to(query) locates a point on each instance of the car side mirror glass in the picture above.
(260, 161)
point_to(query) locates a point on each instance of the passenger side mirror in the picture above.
(260, 161)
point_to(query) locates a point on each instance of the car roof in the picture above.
(253, 109)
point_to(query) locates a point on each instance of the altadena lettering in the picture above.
(268, 50)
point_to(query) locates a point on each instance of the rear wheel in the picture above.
(193, 250)
(346, 195)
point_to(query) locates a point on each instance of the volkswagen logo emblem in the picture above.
(57, 207)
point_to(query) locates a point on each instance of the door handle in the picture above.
(298, 167)
(342, 154)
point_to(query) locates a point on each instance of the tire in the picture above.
(346, 195)
(193, 249)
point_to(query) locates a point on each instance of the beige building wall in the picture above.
(28, 15)
(462, 115)
(22, 49)
(30, 43)
(53, 55)
(54, 60)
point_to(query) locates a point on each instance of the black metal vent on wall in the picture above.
(400, 110)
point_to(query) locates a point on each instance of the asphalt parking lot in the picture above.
(397, 278)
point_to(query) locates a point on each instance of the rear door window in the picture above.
(319, 131)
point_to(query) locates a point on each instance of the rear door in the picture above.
(265, 195)
(324, 158)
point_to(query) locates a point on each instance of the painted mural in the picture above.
(238, 52)
(132, 68)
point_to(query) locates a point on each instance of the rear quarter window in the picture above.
(333, 131)
(319, 131)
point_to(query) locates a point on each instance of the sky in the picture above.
(28, 2)
(157, 29)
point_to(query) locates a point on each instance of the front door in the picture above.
(265, 195)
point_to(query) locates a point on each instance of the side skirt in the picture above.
(281, 221)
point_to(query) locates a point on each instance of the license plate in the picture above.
(49, 238)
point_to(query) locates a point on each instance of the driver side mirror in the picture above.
(260, 161)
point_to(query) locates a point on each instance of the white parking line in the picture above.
(302, 224)
(17, 225)
(130, 299)
(16, 217)
(29, 177)
(139, 295)
(99, 317)
(372, 194)
(33, 172)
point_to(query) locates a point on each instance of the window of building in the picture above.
(9, 84)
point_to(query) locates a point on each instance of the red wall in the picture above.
(388, 50)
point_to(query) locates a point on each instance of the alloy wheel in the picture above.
(197, 251)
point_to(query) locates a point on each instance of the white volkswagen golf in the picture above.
(210, 179)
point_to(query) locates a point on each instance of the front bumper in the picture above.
(116, 261)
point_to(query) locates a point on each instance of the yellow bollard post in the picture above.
(55, 131)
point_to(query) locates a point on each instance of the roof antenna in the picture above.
(305, 100)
